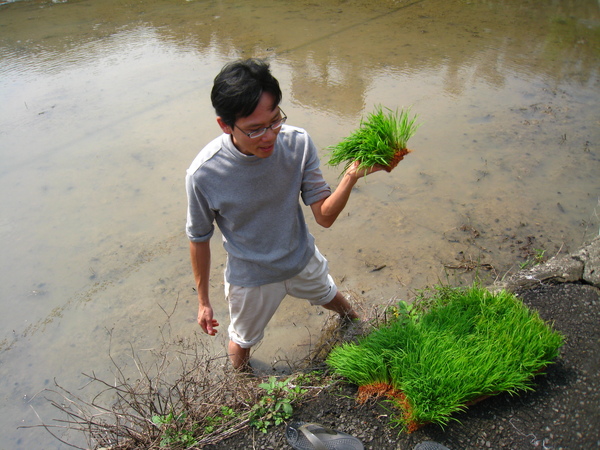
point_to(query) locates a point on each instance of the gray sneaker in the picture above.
(430, 445)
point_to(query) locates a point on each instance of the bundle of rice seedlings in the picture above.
(380, 139)
(467, 345)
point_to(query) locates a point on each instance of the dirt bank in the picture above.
(562, 412)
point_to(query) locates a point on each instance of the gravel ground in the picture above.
(563, 412)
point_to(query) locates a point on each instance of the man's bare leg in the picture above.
(239, 357)
(340, 305)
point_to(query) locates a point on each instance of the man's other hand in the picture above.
(206, 321)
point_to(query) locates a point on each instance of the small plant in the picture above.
(538, 258)
(306, 379)
(401, 311)
(213, 422)
(174, 435)
(381, 139)
(275, 407)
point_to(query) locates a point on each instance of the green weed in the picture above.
(275, 407)
(174, 434)
(312, 378)
(213, 422)
(538, 258)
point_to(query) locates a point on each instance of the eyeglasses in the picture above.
(261, 131)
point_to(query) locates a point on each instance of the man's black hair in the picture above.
(238, 87)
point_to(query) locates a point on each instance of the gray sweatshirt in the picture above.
(255, 203)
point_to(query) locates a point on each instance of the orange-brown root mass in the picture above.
(373, 390)
(398, 156)
(383, 389)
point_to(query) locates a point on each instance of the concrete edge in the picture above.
(580, 266)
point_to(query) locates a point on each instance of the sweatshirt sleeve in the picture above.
(200, 217)
(314, 187)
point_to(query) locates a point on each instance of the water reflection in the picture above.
(104, 104)
(332, 55)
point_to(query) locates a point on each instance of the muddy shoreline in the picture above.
(561, 413)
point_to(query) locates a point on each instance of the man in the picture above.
(248, 181)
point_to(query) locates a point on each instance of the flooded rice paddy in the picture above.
(105, 104)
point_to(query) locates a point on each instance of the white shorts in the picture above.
(251, 308)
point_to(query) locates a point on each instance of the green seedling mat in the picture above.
(448, 349)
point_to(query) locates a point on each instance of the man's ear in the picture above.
(226, 128)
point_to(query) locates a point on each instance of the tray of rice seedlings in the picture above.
(446, 351)
(380, 139)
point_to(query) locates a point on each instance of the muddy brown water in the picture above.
(105, 104)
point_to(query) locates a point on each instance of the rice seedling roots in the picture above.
(398, 156)
(378, 390)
